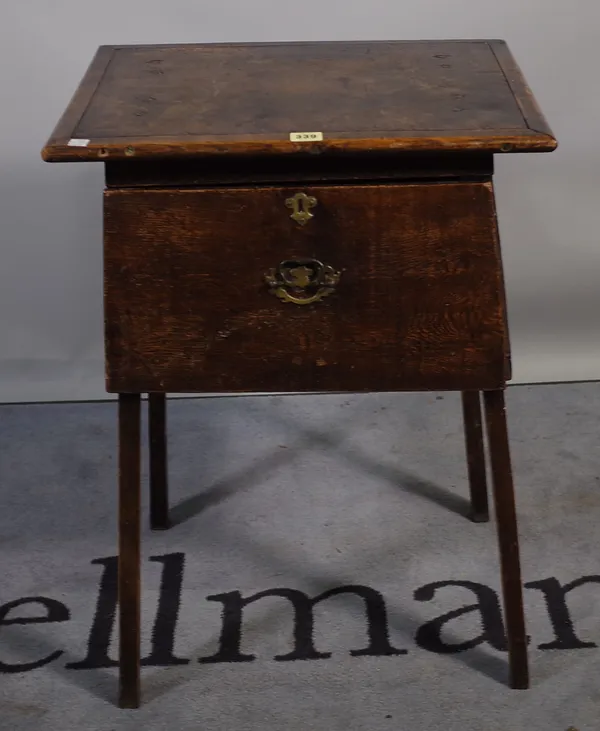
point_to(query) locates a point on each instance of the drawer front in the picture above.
(343, 288)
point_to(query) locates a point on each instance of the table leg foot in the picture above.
(508, 538)
(129, 589)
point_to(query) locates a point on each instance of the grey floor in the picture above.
(361, 494)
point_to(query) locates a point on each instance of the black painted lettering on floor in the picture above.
(428, 636)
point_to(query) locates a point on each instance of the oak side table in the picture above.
(303, 217)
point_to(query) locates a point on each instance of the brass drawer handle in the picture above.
(302, 281)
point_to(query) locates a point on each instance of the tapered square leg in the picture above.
(157, 432)
(475, 456)
(506, 517)
(129, 550)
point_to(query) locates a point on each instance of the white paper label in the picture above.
(78, 143)
(306, 136)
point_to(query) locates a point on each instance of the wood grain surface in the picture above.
(190, 99)
(419, 304)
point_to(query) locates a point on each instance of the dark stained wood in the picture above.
(508, 537)
(356, 167)
(129, 550)
(82, 97)
(199, 165)
(418, 305)
(188, 100)
(157, 434)
(524, 97)
(475, 456)
(507, 349)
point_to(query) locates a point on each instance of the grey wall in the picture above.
(50, 215)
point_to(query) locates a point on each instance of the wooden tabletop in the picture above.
(276, 98)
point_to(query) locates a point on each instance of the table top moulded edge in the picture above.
(536, 136)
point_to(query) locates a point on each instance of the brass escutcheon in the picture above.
(302, 281)
(301, 203)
